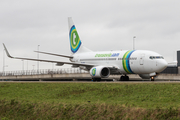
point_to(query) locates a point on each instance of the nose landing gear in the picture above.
(152, 78)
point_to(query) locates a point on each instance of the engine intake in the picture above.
(100, 72)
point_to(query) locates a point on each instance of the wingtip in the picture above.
(7, 51)
(3, 44)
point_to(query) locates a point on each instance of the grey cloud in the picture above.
(102, 25)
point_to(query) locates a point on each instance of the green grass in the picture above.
(146, 95)
(95, 99)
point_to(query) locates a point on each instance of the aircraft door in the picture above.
(141, 61)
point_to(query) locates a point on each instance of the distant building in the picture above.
(178, 58)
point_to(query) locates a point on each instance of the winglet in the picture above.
(7, 51)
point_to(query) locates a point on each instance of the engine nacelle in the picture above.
(59, 64)
(100, 72)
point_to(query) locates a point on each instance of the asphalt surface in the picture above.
(130, 81)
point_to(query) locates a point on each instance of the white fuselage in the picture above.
(128, 62)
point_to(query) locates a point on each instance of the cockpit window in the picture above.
(156, 57)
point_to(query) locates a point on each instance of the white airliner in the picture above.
(146, 63)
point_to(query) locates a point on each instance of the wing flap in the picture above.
(54, 54)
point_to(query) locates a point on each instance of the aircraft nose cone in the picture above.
(162, 65)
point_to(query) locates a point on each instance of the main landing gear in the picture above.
(124, 78)
(96, 79)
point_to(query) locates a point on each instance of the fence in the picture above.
(170, 70)
(43, 71)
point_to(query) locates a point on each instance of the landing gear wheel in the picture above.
(127, 78)
(96, 79)
(124, 78)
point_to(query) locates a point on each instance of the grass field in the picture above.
(89, 100)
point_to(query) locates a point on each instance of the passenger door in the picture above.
(141, 61)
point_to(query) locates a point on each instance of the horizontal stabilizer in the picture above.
(172, 64)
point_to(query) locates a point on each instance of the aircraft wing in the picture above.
(58, 62)
(54, 54)
(113, 69)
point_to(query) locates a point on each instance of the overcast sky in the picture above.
(101, 24)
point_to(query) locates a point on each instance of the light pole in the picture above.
(3, 62)
(23, 66)
(27, 68)
(134, 42)
(52, 66)
(38, 59)
(33, 67)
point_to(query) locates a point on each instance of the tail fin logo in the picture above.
(75, 41)
(94, 71)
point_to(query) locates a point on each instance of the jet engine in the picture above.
(100, 72)
(59, 64)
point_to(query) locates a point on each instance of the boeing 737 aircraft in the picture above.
(146, 63)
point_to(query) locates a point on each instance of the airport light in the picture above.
(134, 42)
